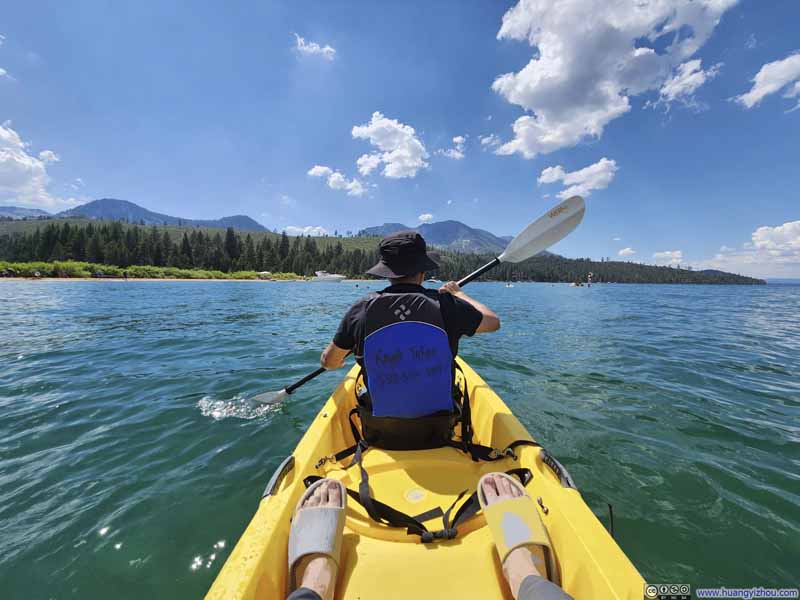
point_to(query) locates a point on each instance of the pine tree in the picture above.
(232, 244)
(249, 262)
(185, 259)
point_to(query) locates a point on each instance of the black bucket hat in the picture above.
(403, 253)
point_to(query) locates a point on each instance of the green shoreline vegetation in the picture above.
(68, 248)
(71, 269)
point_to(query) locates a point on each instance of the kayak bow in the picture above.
(387, 563)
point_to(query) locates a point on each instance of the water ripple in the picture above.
(128, 450)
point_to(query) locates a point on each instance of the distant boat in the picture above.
(325, 276)
(432, 280)
(509, 285)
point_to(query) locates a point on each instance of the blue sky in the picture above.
(673, 118)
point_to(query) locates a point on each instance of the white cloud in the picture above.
(425, 218)
(320, 171)
(457, 151)
(490, 141)
(4, 73)
(313, 48)
(617, 239)
(589, 58)
(671, 257)
(307, 230)
(583, 181)
(626, 252)
(400, 150)
(48, 156)
(687, 79)
(367, 163)
(771, 252)
(751, 42)
(337, 181)
(773, 77)
(23, 176)
(449, 202)
(780, 241)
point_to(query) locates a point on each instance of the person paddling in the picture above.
(406, 338)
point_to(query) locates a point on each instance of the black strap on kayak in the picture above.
(478, 452)
(489, 454)
(466, 415)
(383, 513)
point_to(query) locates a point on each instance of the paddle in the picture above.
(545, 231)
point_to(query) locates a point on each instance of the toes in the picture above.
(323, 494)
(490, 489)
(515, 491)
(326, 494)
(335, 494)
(313, 500)
(504, 487)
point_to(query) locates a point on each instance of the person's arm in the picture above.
(343, 341)
(490, 321)
(333, 357)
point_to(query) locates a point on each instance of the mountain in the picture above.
(109, 209)
(384, 230)
(17, 212)
(450, 235)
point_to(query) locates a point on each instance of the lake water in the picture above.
(130, 465)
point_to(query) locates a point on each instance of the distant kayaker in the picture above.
(406, 338)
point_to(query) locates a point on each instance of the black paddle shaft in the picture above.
(475, 274)
(306, 379)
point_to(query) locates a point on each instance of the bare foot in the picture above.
(520, 562)
(316, 571)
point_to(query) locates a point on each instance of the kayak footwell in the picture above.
(381, 562)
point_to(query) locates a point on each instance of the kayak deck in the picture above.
(383, 562)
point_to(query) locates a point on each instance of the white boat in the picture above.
(325, 276)
(509, 285)
(433, 280)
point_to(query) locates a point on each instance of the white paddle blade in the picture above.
(545, 231)
(269, 397)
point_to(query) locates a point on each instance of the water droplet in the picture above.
(118, 545)
(103, 531)
(219, 545)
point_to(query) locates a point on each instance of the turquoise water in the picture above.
(130, 464)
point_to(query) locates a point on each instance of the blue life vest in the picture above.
(407, 358)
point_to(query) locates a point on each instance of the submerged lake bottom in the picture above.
(131, 462)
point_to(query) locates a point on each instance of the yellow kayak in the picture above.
(385, 563)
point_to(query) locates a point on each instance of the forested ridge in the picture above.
(124, 245)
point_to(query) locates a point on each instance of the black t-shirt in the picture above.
(460, 318)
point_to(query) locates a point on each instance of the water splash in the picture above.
(237, 407)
